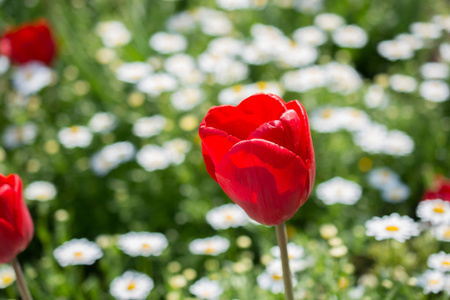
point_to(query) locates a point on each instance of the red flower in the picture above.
(16, 226)
(29, 42)
(261, 154)
(441, 190)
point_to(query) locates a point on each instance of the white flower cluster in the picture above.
(339, 190)
(437, 278)
(392, 189)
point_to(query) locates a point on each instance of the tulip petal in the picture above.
(243, 119)
(306, 150)
(7, 203)
(265, 107)
(216, 143)
(266, 180)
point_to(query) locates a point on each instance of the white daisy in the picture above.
(308, 6)
(187, 98)
(149, 126)
(372, 138)
(394, 226)
(294, 251)
(426, 30)
(435, 211)
(432, 281)
(294, 55)
(310, 35)
(131, 285)
(111, 156)
(441, 232)
(350, 36)
(209, 246)
(133, 72)
(402, 83)
(77, 252)
(40, 190)
(234, 95)
(439, 261)
(398, 143)
(152, 157)
(233, 4)
(434, 70)
(17, 135)
(396, 193)
(226, 216)
(395, 50)
(32, 77)
(443, 21)
(272, 279)
(4, 64)
(113, 33)
(176, 150)
(206, 289)
(353, 119)
(375, 96)
(434, 90)
(266, 87)
(328, 21)
(166, 43)
(230, 71)
(444, 51)
(342, 79)
(103, 122)
(7, 276)
(215, 23)
(383, 178)
(252, 54)
(157, 83)
(225, 46)
(295, 265)
(142, 243)
(75, 136)
(181, 22)
(180, 65)
(327, 119)
(413, 41)
(305, 79)
(339, 190)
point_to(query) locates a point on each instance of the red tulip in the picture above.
(16, 226)
(29, 42)
(261, 154)
(441, 190)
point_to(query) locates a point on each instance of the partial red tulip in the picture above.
(441, 190)
(16, 225)
(261, 154)
(29, 42)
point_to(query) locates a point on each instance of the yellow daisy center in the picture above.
(210, 250)
(277, 277)
(392, 228)
(131, 286)
(7, 279)
(439, 209)
(446, 263)
(74, 129)
(78, 254)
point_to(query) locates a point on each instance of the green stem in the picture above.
(21, 283)
(282, 243)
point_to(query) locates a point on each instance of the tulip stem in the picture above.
(21, 283)
(287, 277)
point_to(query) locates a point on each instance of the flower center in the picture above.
(146, 246)
(229, 217)
(7, 280)
(74, 129)
(210, 250)
(326, 114)
(433, 282)
(447, 234)
(439, 209)
(277, 277)
(262, 85)
(131, 286)
(446, 263)
(237, 88)
(78, 254)
(392, 228)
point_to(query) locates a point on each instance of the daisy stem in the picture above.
(21, 283)
(282, 243)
